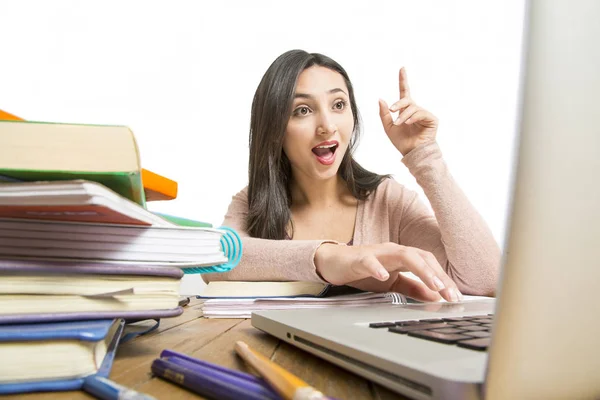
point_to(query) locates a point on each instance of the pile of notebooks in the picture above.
(80, 254)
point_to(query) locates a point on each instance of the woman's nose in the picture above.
(326, 125)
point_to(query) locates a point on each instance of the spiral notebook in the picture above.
(243, 308)
(193, 249)
(238, 299)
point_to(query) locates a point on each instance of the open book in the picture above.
(231, 299)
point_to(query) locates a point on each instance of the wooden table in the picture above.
(212, 340)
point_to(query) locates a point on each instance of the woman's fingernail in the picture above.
(384, 275)
(438, 283)
(453, 294)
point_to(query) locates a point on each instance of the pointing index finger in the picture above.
(403, 81)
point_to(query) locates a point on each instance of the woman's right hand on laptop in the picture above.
(376, 268)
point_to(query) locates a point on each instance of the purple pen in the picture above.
(210, 382)
(197, 362)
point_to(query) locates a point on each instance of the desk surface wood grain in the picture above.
(213, 340)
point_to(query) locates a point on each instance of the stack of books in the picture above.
(80, 254)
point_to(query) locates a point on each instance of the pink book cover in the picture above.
(71, 213)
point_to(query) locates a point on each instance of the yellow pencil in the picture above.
(288, 385)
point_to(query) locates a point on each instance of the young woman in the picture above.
(310, 212)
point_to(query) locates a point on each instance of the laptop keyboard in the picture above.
(473, 332)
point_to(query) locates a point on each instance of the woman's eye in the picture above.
(340, 105)
(302, 111)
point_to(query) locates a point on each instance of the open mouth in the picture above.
(325, 152)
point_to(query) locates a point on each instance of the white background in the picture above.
(181, 75)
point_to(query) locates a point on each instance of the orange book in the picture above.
(6, 116)
(156, 187)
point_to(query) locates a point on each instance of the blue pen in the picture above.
(106, 389)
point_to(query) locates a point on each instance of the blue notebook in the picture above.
(56, 356)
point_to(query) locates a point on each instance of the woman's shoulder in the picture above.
(240, 199)
(243, 192)
(389, 189)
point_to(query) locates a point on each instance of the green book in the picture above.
(42, 151)
(183, 221)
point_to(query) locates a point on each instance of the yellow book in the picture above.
(155, 186)
(44, 151)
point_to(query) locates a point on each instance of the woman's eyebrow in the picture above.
(309, 96)
(337, 90)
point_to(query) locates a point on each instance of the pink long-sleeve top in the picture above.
(455, 233)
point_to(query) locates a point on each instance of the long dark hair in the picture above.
(269, 170)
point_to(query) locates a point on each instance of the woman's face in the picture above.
(320, 126)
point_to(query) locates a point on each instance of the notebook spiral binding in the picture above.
(396, 298)
(231, 243)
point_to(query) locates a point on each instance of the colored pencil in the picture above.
(288, 385)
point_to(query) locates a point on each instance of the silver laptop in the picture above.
(544, 334)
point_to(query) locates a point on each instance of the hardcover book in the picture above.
(52, 291)
(156, 187)
(56, 356)
(43, 151)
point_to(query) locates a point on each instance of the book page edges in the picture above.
(240, 289)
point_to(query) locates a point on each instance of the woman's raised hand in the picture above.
(414, 125)
(342, 265)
